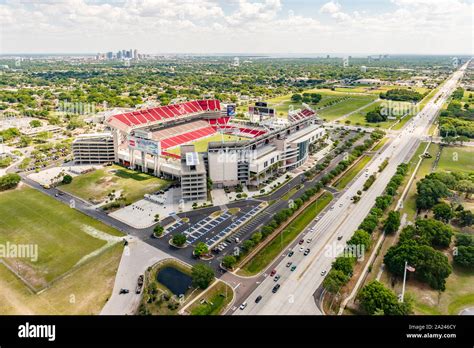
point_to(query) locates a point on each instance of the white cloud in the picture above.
(330, 7)
(414, 26)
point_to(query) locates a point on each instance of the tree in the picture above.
(360, 237)
(35, 124)
(433, 267)
(464, 217)
(430, 190)
(443, 212)
(344, 264)
(202, 275)
(392, 223)
(464, 256)
(435, 232)
(201, 249)
(67, 179)
(229, 261)
(158, 230)
(297, 98)
(248, 244)
(9, 181)
(335, 280)
(179, 239)
(376, 298)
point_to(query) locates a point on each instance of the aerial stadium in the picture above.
(202, 141)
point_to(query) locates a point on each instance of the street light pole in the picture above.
(404, 281)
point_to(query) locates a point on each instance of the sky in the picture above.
(238, 26)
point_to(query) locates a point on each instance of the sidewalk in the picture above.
(136, 258)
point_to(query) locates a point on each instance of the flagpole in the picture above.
(404, 281)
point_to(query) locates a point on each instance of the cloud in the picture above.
(208, 26)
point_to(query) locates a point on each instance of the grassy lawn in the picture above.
(380, 144)
(31, 217)
(277, 245)
(457, 159)
(358, 118)
(83, 292)
(457, 296)
(201, 144)
(96, 185)
(352, 172)
(344, 107)
(214, 301)
(409, 205)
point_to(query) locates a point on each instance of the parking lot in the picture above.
(213, 229)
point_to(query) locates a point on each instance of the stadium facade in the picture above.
(158, 141)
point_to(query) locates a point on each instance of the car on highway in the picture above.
(243, 305)
(301, 249)
(340, 205)
(293, 268)
(275, 288)
(290, 254)
(258, 299)
(301, 241)
(309, 240)
(323, 273)
(317, 218)
(332, 208)
(339, 237)
(289, 264)
(277, 277)
(272, 273)
(307, 251)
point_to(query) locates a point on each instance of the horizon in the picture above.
(420, 27)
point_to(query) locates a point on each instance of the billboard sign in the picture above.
(148, 146)
(231, 110)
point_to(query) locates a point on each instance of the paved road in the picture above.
(297, 288)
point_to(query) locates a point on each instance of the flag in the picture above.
(410, 268)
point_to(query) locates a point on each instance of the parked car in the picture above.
(139, 284)
(123, 291)
(323, 273)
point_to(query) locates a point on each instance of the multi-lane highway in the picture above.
(329, 235)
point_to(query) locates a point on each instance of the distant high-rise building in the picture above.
(135, 54)
(328, 56)
(110, 55)
(363, 68)
(345, 62)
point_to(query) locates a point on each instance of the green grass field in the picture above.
(216, 300)
(31, 217)
(83, 292)
(457, 159)
(344, 107)
(96, 185)
(201, 144)
(352, 172)
(263, 258)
